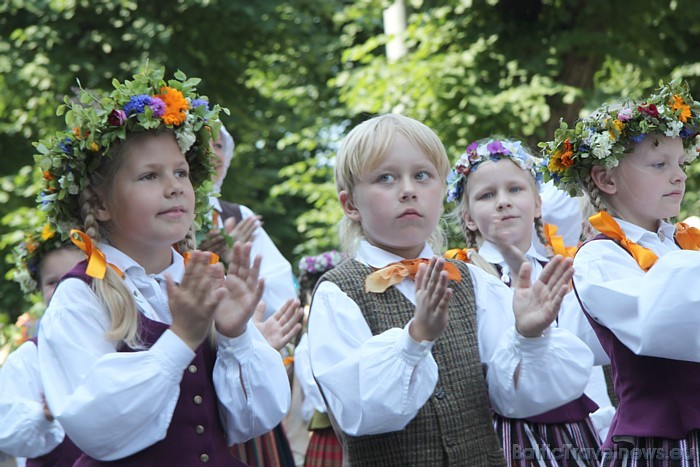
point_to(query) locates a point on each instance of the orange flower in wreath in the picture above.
(175, 106)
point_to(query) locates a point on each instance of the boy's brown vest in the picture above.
(454, 427)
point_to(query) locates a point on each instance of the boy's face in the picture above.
(501, 190)
(649, 183)
(399, 202)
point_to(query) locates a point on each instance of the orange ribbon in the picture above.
(556, 242)
(215, 219)
(97, 263)
(687, 237)
(213, 257)
(461, 254)
(606, 225)
(394, 273)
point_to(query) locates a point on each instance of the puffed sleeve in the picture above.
(372, 384)
(552, 370)
(251, 384)
(651, 313)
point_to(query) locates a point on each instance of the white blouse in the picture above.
(114, 404)
(24, 431)
(377, 384)
(274, 267)
(652, 313)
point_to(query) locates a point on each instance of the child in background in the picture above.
(495, 186)
(280, 320)
(398, 355)
(636, 281)
(324, 449)
(27, 427)
(147, 359)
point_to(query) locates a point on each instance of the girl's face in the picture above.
(218, 148)
(502, 191)
(649, 183)
(399, 202)
(150, 203)
(54, 266)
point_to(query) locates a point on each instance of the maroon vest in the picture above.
(659, 397)
(63, 455)
(195, 435)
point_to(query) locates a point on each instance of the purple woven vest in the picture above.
(64, 455)
(659, 397)
(195, 436)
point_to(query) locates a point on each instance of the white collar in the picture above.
(125, 263)
(638, 234)
(378, 258)
(492, 254)
(215, 203)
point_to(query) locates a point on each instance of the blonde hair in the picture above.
(111, 290)
(364, 148)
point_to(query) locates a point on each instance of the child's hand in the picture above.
(280, 328)
(432, 298)
(537, 306)
(193, 302)
(240, 294)
(242, 232)
(501, 236)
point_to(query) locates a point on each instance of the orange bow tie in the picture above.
(687, 237)
(556, 242)
(606, 225)
(380, 280)
(97, 263)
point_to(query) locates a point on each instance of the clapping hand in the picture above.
(194, 301)
(432, 299)
(536, 306)
(280, 328)
(240, 294)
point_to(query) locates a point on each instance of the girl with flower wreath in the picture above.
(28, 429)
(496, 186)
(408, 348)
(145, 352)
(636, 280)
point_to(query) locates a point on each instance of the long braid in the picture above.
(111, 290)
(539, 230)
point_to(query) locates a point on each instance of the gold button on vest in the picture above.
(192, 369)
(199, 429)
(204, 458)
(197, 399)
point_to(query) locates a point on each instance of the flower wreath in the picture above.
(321, 263)
(145, 103)
(605, 136)
(485, 150)
(29, 253)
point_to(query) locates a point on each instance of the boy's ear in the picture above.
(603, 179)
(469, 222)
(348, 205)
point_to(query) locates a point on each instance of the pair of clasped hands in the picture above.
(206, 294)
(535, 306)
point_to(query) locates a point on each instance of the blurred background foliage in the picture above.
(297, 74)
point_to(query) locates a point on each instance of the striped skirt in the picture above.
(324, 449)
(269, 450)
(527, 444)
(656, 452)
